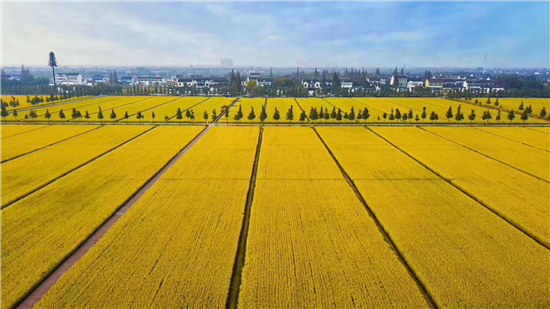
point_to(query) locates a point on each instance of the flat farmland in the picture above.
(534, 137)
(36, 139)
(29, 173)
(543, 130)
(13, 130)
(207, 106)
(517, 197)
(133, 109)
(189, 222)
(275, 216)
(54, 109)
(345, 104)
(527, 159)
(514, 103)
(455, 246)
(311, 242)
(69, 210)
(247, 104)
(168, 110)
(283, 106)
(23, 101)
(307, 104)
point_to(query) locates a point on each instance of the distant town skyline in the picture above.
(279, 34)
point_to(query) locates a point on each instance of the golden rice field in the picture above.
(23, 104)
(276, 216)
(163, 109)
(514, 103)
(248, 105)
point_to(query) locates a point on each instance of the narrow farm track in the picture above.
(226, 111)
(486, 155)
(298, 103)
(530, 235)
(240, 257)
(49, 145)
(381, 228)
(50, 281)
(75, 168)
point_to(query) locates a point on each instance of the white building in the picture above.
(149, 80)
(69, 79)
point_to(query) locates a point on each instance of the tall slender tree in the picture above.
(290, 113)
(52, 62)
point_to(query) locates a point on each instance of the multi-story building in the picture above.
(69, 79)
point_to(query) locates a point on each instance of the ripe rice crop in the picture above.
(528, 159)
(176, 246)
(68, 211)
(18, 145)
(282, 105)
(24, 104)
(453, 244)
(531, 136)
(131, 109)
(543, 130)
(514, 103)
(247, 104)
(345, 104)
(55, 108)
(207, 106)
(167, 110)
(311, 243)
(517, 197)
(26, 174)
(13, 130)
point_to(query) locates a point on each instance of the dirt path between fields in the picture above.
(52, 279)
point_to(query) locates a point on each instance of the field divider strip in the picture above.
(191, 107)
(307, 116)
(34, 297)
(111, 99)
(76, 168)
(6, 124)
(513, 140)
(129, 103)
(485, 155)
(427, 296)
(24, 109)
(543, 126)
(226, 111)
(146, 110)
(473, 197)
(240, 257)
(52, 144)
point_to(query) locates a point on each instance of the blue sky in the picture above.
(311, 34)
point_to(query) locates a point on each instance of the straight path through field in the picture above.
(518, 198)
(182, 235)
(464, 254)
(67, 213)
